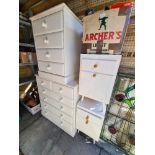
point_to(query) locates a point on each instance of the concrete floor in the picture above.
(38, 136)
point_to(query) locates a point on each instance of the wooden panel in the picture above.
(28, 4)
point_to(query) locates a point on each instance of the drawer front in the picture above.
(63, 90)
(63, 100)
(67, 110)
(96, 86)
(62, 116)
(44, 83)
(50, 101)
(52, 40)
(66, 126)
(54, 68)
(43, 91)
(51, 117)
(100, 66)
(51, 23)
(87, 125)
(87, 116)
(53, 55)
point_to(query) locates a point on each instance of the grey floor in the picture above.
(38, 136)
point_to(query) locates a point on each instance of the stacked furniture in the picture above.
(57, 34)
(103, 34)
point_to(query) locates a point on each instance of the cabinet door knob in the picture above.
(44, 24)
(95, 66)
(94, 75)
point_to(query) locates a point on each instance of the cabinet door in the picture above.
(96, 86)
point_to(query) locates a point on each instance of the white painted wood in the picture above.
(98, 87)
(91, 128)
(50, 67)
(44, 83)
(52, 55)
(52, 40)
(63, 90)
(57, 34)
(93, 107)
(56, 78)
(47, 24)
(109, 67)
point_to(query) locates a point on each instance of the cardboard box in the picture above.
(24, 57)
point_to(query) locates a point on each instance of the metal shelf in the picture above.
(27, 64)
(27, 82)
(26, 45)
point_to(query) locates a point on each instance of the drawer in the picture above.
(50, 101)
(96, 86)
(44, 91)
(63, 90)
(62, 116)
(52, 40)
(53, 55)
(92, 118)
(51, 23)
(100, 66)
(54, 68)
(88, 126)
(61, 107)
(44, 83)
(63, 100)
(51, 117)
(66, 126)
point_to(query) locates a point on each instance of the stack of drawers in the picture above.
(97, 78)
(57, 34)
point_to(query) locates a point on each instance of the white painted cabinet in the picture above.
(57, 35)
(96, 82)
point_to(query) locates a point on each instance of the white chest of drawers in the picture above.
(57, 35)
(97, 78)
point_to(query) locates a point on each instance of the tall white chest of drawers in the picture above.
(57, 34)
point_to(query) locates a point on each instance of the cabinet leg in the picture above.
(77, 131)
(82, 98)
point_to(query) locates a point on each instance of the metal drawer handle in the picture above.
(47, 54)
(48, 67)
(95, 66)
(94, 75)
(44, 91)
(42, 83)
(44, 24)
(46, 40)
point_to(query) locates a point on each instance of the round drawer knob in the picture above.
(94, 75)
(95, 66)
(47, 54)
(45, 99)
(44, 24)
(61, 99)
(61, 115)
(61, 107)
(46, 40)
(48, 67)
(42, 82)
(43, 91)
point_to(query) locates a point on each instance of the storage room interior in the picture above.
(76, 77)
